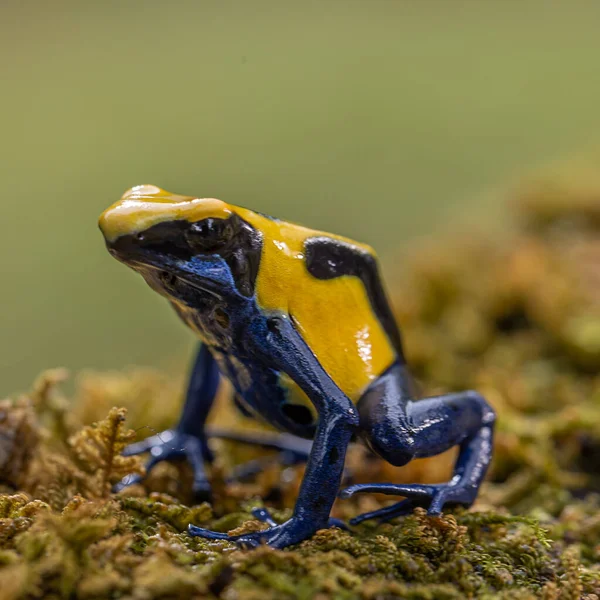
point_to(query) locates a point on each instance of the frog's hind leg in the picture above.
(400, 429)
(291, 449)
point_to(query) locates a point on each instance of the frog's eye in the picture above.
(209, 235)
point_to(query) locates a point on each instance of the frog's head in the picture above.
(184, 247)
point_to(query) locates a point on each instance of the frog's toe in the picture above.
(150, 443)
(194, 453)
(246, 540)
(462, 495)
(196, 531)
(126, 482)
(132, 479)
(431, 496)
(202, 490)
(387, 513)
(262, 514)
(394, 489)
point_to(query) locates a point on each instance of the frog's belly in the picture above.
(269, 396)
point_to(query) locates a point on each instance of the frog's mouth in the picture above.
(167, 274)
(163, 262)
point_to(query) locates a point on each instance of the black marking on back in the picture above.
(327, 258)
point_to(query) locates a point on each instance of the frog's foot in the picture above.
(291, 532)
(262, 514)
(291, 450)
(433, 496)
(172, 445)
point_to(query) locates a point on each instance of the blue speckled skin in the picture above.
(251, 348)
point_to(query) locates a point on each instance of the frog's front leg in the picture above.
(279, 344)
(187, 441)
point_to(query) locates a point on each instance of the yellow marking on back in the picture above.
(334, 316)
(143, 206)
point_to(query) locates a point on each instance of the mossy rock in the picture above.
(517, 318)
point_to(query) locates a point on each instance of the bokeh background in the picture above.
(380, 120)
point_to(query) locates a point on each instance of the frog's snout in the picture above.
(139, 208)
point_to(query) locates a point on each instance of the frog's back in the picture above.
(331, 289)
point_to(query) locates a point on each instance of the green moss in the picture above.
(516, 318)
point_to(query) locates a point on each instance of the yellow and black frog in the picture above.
(299, 323)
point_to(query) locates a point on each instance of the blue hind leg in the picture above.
(399, 430)
(291, 450)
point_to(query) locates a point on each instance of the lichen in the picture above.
(516, 317)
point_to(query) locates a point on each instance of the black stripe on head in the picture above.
(327, 258)
(233, 239)
(243, 255)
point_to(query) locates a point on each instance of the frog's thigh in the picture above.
(399, 429)
(384, 423)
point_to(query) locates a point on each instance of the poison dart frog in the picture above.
(299, 322)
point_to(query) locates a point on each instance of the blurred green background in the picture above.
(381, 120)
